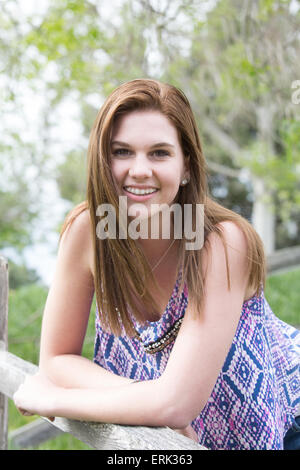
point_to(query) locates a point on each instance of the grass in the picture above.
(26, 306)
(283, 295)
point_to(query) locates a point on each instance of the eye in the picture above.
(121, 152)
(160, 153)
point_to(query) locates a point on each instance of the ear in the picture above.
(186, 173)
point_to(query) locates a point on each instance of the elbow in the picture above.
(177, 417)
(177, 420)
(45, 365)
(174, 412)
(54, 368)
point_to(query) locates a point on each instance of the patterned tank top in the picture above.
(257, 393)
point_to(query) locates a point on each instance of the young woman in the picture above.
(184, 337)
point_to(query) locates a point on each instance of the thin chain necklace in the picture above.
(165, 253)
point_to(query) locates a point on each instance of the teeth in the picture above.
(139, 191)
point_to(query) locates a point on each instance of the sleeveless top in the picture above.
(257, 393)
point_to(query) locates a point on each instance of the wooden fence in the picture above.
(283, 260)
(97, 435)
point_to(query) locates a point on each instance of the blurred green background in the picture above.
(237, 62)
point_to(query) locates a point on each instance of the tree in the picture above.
(230, 63)
(238, 76)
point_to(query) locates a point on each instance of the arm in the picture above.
(203, 342)
(66, 314)
(200, 349)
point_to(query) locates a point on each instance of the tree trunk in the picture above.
(263, 216)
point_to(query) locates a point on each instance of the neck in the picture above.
(154, 248)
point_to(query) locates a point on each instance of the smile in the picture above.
(140, 192)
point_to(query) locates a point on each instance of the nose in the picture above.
(140, 167)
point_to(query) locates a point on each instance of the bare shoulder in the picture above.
(80, 227)
(77, 239)
(233, 236)
(214, 258)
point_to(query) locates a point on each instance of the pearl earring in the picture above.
(184, 182)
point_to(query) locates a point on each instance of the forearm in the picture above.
(91, 393)
(73, 371)
(132, 404)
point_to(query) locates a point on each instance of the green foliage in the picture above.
(24, 320)
(71, 177)
(20, 275)
(280, 170)
(16, 216)
(289, 132)
(283, 295)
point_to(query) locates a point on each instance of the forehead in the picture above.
(148, 126)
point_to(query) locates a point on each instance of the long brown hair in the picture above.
(120, 262)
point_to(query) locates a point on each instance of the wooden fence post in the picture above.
(3, 346)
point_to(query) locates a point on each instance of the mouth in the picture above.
(139, 194)
(140, 191)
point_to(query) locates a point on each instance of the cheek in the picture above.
(171, 190)
(173, 179)
(118, 170)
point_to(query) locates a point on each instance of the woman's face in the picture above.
(147, 161)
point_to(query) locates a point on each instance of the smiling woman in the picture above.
(147, 160)
(185, 338)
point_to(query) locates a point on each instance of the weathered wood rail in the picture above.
(283, 259)
(100, 436)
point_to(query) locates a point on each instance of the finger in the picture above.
(25, 412)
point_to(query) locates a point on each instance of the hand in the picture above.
(36, 396)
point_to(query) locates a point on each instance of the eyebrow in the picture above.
(159, 144)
